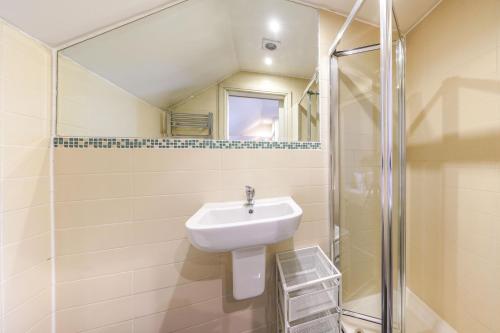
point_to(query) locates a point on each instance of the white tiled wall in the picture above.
(25, 92)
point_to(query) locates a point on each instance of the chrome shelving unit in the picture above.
(308, 292)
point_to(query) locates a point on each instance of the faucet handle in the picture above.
(250, 191)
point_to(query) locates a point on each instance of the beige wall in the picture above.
(453, 90)
(25, 93)
(204, 102)
(89, 105)
(211, 99)
(123, 259)
(122, 254)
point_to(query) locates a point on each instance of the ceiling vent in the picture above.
(270, 45)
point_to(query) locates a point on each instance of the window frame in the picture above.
(285, 119)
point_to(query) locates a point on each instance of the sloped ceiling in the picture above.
(191, 45)
(56, 22)
(172, 54)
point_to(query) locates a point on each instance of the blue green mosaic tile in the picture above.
(99, 142)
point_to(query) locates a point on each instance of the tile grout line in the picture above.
(53, 123)
(166, 220)
(2, 264)
(30, 238)
(138, 244)
(133, 271)
(132, 293)
(29, 299)
(148, 196)
(111, 325)
(24, 271)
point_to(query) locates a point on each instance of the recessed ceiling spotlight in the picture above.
(268, 61)
(274, 26)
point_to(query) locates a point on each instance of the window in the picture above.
(253, 118)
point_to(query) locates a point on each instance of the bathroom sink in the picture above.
(245, 230)
(227, 226)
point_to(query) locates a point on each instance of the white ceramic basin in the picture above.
(230, 226)
(227, 226)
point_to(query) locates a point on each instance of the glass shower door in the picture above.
(359, 196)
(367, 149)
(359, 176)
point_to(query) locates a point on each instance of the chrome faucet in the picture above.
(250, 193)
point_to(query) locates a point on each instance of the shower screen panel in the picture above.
(359, 182)
(359, 175)
(368, 186)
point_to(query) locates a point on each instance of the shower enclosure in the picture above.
(308, 111)
(367, 157)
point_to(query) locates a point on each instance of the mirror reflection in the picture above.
(217, 69)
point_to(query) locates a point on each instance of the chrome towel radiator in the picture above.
(189, 124)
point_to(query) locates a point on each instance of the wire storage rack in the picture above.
(308, 292)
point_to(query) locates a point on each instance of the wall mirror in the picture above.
(216, 69)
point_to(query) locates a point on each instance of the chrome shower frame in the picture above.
(385, 46)
(307, 93)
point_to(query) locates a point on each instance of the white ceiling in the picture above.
(56, 22)
(191, 45)
(172, 54)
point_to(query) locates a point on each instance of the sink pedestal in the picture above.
(249, 272)
(231, 227)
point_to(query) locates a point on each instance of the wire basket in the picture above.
(308, 290)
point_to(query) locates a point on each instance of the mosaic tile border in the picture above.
(167, 143)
